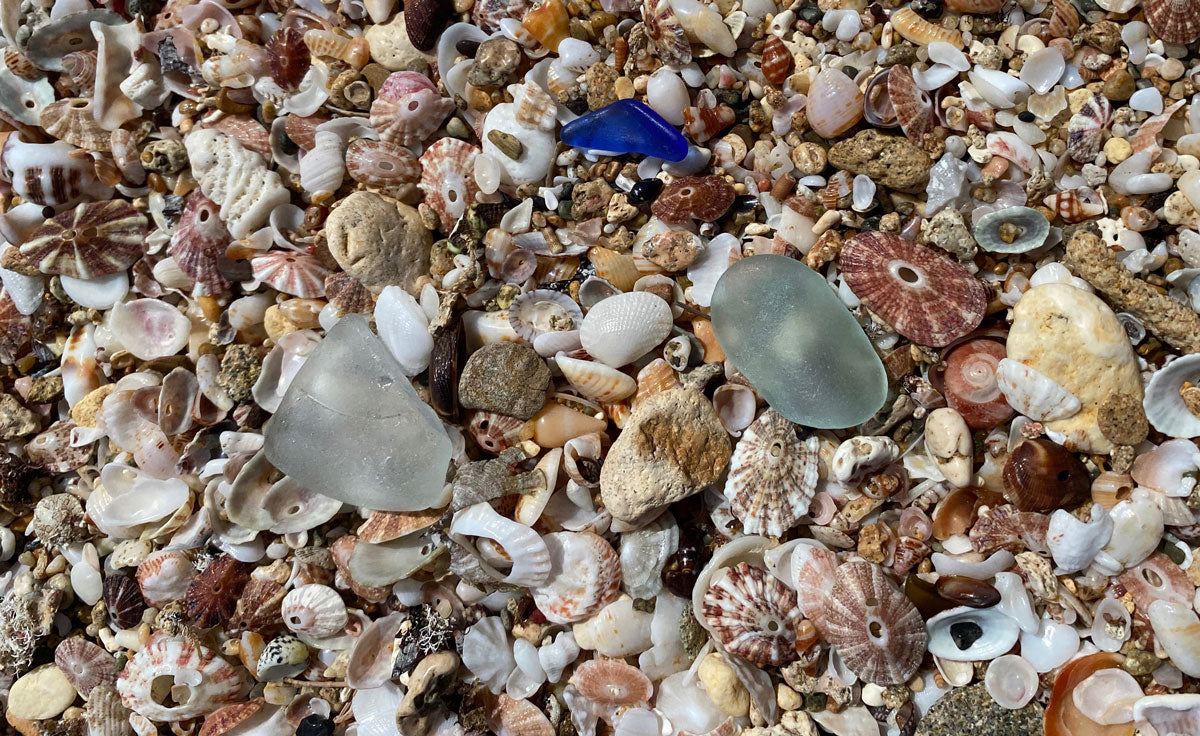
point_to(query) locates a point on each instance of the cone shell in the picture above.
(73, 120)
(923, 294)
(877, 631)
(448, 179)
(772, 476)
(595, 380)
(703, 198)
(381, 164)
(218, 682)
(612, 683)
(914, 110)
(585, 576)
(199, 242)
(666, 32)
(776, 61)
(835, 103)
(548, 22)
(754, 616)
(292, 273)
(1041, 475)
(922, 32)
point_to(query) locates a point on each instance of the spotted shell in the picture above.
(666, 32)
(198, 243)
(94, 239)
(487, 14)
(877, 631)
(85, 663)
(704, 198)
(494, 432)
(1175, 21)
(924, 295)
(533, 106)
(292, 273)
(914, 110)
(209, 681)
(448, 179)
(73, 120)
(754, 616)
(381, 164)
(585, 576)
(165, 576)
(772, 476)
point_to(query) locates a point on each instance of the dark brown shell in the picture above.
(199, 242)
(704, 198)
(424, 20)
(776, 61)
(444, 366)
(289, 57)
(1041, 475)
(259, 606)
(123, 599)
(94, 239)
(213, 595)
(1175, 21)
(348, 294)
(921, 293)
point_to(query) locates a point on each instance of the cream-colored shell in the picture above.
(314, 611)
(624, 327)
(203, 681)
(1033, 393)
(235, 178)
(596, 380)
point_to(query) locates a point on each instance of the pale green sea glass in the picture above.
(781, 325)
(351, 426)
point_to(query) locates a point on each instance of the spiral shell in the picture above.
(776, 61)
(666, 32)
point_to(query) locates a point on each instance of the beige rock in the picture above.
(893, 161)
(1074, 338)
(84, 412)
(15, 420)
(42, 693)
(379, 241)
(948, 441)
(722, 685)
(672, 447)
(787, 698)
(391, 47)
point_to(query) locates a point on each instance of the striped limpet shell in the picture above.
(772, 476)
(381, 164)
(754, 616)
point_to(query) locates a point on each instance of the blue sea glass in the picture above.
(626, 126)
(781, 325)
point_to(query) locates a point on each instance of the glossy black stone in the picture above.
(645, 191)
(965, 633)
(315, 725)
(928, 9)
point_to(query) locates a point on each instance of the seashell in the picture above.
(123, 600)
(531, 562)
(1108, 696)
(617, 271)
(258, 607)
(876, 630)
(508, 717)
(1137, 528)
(49, 43)
(596, 380)
(1170, 713)
(666, 32)
(248, 132)
(86, 664)
(1051, 646)
(1147, 135)
(1074, 543)
(1041, 475)
(212, 595)
(1165, 407)
(322, 168)
(49, 174)
(486, 653)
(1157, 578)
(165, 576)
(645, 552)
(1077, 205)
(1033, 393)
(347, 294)
(776, 61)
(198, 244)
(754, 616)
(914, 109)
(1014, 148)
(447, 178)
(258, 502)
(115, 45)
(411, 118)
(1062, 717)
(533, 107)
(123, 144)
(1064, 21)
(967, 634)
(542, 311)
(705, 123)
(1176, 627)
(1011, 681)
(105, 715)
(1085, 129)
(149, 328)
(585, 576)
(835, 103)
(381, 164)
(353, 51)
(970, 383)
(19, 64)
(72, 120)
(236, 178)
(611, 683)
(1172, 20)
(203, 682)
(878, 109)
(703, 198)
(547, 20)
(94, 239)
(772, 476)
(494, 432)
(226, 719)
(1111, 625)
(922, 32)
(1011, 230)
(735, 405)
(292, 273)
(979, 7)
(284, 656)
(1171, 468)
(924, 295)
(624, 327)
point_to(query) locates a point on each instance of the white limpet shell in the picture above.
(1074, 543)
(1164, 406)
(1011, 681)
(149, 328)
(1033, 393)
(644, 552)
(283, 506)
(1111, 624)
(487, 654)
(370, 662)
(1137, 529)
(1173, 714)
(524, 546)
(1051, 646)
(1177, 629)
(1107, 696)
(314, 610)
(1043, 69)
(1171, 468)
(375, 709)
(235, 178)
(624, 327)
(1000, 632)
(618, 630)
(203, 681)
(385, 563)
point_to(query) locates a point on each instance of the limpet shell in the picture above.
(967, 634)
(1011, 230)
(754, 616)
(541, 311)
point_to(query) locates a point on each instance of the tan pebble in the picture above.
(24, 726)
(1171, 69)
(787, 698)
(722, 685)
(624, 88)
(1117, 150)
(42, 693)
(276, 324)
(84, 412)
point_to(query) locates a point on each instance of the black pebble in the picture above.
(315, 725)
(965, 633)
(645, 191)
(1026, 117)
(928, 9)
(467, 48)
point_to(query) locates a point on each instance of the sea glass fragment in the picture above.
(783, 327)
(626, 126)
(352, 427)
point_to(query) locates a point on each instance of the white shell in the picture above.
(101, 292)
(948, 442)
(1164, 406)
(528, 675)
(618, 630)
(557, 655)
(1074, 543)
(203, 681)
(165, 576)
(1170, 468)
(530, 558)
(858, 456)
(1043, 69)
(1170, 714)
(314, 610)
(624, 327)
(1011, 681)
(1033, 393)
(595, 380)
(149, 328)
(999, 634)
(1111, 625)
(667, 655)
(644, 552)
(283, 507)
(735, 405)
(1107, 696)
(235, 178)
(323, 168)
(375, 709)
(487, 655)
(128, 498)
(1051, 646)
(1177, 629)
(404, 329)
(1137, 529)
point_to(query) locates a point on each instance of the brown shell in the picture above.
(259, 606)
(381, 164)
(612, 683)
(224, 719)
(877, 631)
(15, 329)
(704, 198)
(1175, 21)
(1064, 21)
(969, 383)
(213, 595)
(776, 61)
(303, 129)
(1004, 527)
(921, 293)
(772, 476)
(19, 64)
(754, 616)
(494, 432)
(666, 32)
(1041, 475)
(247, 131)
(914, 109)
(73, 120)
(94, 239)
(52, 450)
(86, 664)
(384, 526)
(123, 599)
(704, 123)
(288, 57)
(348, 294)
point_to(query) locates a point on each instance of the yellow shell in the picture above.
(920, 31)
(354, 51)
(548, 22)
(618, 269)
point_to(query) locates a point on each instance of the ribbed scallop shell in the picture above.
(94, 239)
(348, 294)
(612, 683)
(1175, 21)
(585, 576)
(914, 109)
(123, 600)
(216, 682)
(410, 119)
(381, 164)
(105, 714)
(813, 569)
(922, 32)
(198, 243)
(618, 269)
(877, 631)
(73, 120)
(704, 198)
(494, 432)
(86, 664)
(772, 476)
(1085, 129)
(314, 610)
(753, 616)
(164, 576)
(509, 717)
(292, 273)
(1064, 21)
(595, 380)
(533, 106)
(448, 179)
(776, 61)
(924, 295)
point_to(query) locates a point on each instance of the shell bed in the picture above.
(600, 367)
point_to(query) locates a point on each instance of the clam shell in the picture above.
(1011, 681)
(1165, 408)
(596, 380)
(1033, 393)
(966, 634)
(1041, 475)
(994, 230)
(165, 576)
(149, 328)
(624, 327)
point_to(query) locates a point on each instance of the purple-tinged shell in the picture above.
(292, 273)
(753, 616)
(123, 599)
(1149, 131)
(348, 294)
(94, 239)
(1085, 129)
(914, 109)
(408, 109)
(772, 476)
(198, 243)
(1157, 578)
(213, 594)
(86, 664)
(1175, 21)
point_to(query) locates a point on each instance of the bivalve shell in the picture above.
(1165, 408)
(1033, 393)
(624, 327)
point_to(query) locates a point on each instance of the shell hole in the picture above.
(773, 626)
(79, 103)
(412, 106)
(871, 602)
(30, 104)
(452, 195)
(75, 41)
(687, 192)
(1063, 475)
(1152, 577)
(162, 691)
(875, 629)
(203, 215)
(908, 275)
(387, 165)
(295, 509)
(776, 449)
(294, 620)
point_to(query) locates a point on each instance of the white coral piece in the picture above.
(236, 179)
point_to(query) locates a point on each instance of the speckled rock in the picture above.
(601, 85)
(495, 60)
(15, 420)
(891, 161)
(45, 389)
(379, 241)
(970, 710)
(590, 199)
(1073, 337)
(504, 377)
(946, 230)
(672, 447)
(391, 47)
(240, 367)
(674, 250)
(1122, 419)
(85, 410)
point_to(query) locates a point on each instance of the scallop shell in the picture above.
(754, 616)
(1033, 393)
(611, 683)
(967, 634)
(94, 239)
(203, 681)
(596, 380)
(542, 311)
(772, 476)
(666, 32)
(509, 717)
(165, 576)
(877, 631)
(924, 295)
(314, 611)
(86, 664)
(448, 179)
(73, 121)
(292, 273)
(1164, 406)
(494, 432)
(613, 269)
(623, 328)
(235, 178)
(106, 715)
(585, 576)
(247, 131)
(199, 242)
(411, 117)
(348, 294)
(381, 164)
(922, 32)
(914, 109)
(1085, 129)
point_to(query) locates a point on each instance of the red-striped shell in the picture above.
(702, 123)
(924, 295)
(1157, 578)
(1175, 21)
(666, 32)
(585, 576)
(509, 717)
(94, 239)
(969, 383)
(776, 61)
(754, 616)
(877, 631)
(408, 109)
(448, 179)
(225, 719)
(1064, 21)
(1147, 135)
(80, 68)
(703, 198)
(246, 130)
(15, 329)
(288, 57)
(292, 273)
(494, 432)
(914, 110)
(399, 85)
(213, 594)
(216, 682)
(1077, 205)
(381, 164)
(612, 683)
(199, 242)
(1085, 129)
(772, 476)
(85, 663)
(348, 294)
(302, 130)
(19, 64)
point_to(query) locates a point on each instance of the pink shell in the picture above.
(753, 615)
(913, 107)
(772, 476)
(410, 119)
(398, 85)
(812, 572)
(217, 683)
(1147, 135)
(448, 179)
(199, 241)
(585, 576)
(612, 683)
(85, 663)
(1157, 578)
(381, 164)
(292, 273)
(248, 131)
